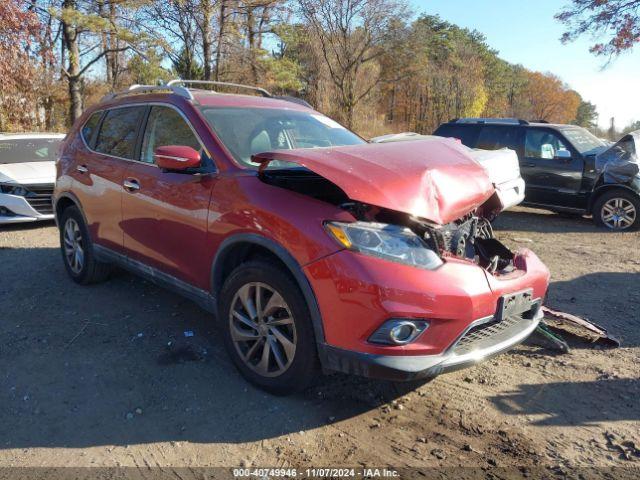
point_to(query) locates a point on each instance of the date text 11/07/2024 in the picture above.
(328, 472)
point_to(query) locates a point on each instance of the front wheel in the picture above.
(617, 210)
(77, 250)
(267, 328)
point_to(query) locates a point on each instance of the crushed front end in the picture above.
(419, 284)
(469, 299)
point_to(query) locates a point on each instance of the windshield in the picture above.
(583, 140)
(247, 131)
(24, 150)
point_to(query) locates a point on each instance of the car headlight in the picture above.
(13, 189)
(390, 242)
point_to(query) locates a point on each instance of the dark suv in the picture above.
(564, 167)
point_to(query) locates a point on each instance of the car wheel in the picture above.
(267, 328)
(617, 210)
(77, 250)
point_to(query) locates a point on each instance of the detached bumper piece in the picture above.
(483, 339)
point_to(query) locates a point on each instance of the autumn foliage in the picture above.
(368, 63)
(19, 34)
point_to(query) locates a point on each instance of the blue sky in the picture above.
(525, 32)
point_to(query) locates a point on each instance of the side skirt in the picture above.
(201, 297)
(554, 208)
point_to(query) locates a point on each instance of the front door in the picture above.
(165, 213)
(552, 170)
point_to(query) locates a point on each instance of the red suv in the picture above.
(313, 248)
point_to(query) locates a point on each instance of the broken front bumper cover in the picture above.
(407, 367)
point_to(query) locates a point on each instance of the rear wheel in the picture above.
(77, 250)
(617, 210)
(267, 328)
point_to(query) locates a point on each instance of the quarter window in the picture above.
(543, 144)
(118, 132)
(166, 127)
(90, 127)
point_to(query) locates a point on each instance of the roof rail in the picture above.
(505, 121)
(138, 89)
(262, 91)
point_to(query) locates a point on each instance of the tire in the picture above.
(291, 361)
(626, 208)
(83, 268)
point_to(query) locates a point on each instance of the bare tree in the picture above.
(351, 34)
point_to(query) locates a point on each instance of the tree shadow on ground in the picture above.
(570, 403)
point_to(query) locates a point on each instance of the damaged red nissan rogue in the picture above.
(313, 248)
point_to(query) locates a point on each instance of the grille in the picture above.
(39, 197)
(489, 334)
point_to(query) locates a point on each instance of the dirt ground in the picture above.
(104, 376)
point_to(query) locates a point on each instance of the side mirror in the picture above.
(176, 157)
(563, 155)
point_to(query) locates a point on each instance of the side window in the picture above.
(543, 144)
(467, 134)
(495, 138)
(166, 127)
(90, 127)
(117, 135)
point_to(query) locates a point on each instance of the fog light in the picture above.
(399, 331)
(402, 332)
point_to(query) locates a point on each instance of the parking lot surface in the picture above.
(110, 375)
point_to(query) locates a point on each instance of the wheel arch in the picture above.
(239, 248)
(64, 201)
(608, 187)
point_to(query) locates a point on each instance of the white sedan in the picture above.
(27, 176)
(501, 166)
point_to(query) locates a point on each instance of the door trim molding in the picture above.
(203, 298)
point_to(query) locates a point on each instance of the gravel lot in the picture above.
(104, 376)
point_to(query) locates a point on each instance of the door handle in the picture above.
(131, 185)
(528, 164)
(82, 169)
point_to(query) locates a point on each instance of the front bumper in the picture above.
(19, 209)
(406, 368)
(357, 293)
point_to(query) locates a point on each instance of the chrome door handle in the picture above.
(82, 169)
(131, 185)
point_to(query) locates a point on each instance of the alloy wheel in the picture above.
(262, 329)
(73, 245)
(618, 213)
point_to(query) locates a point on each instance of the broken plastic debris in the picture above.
(600, 332)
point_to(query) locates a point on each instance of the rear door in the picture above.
(551, 179)
(99, 172)
(165, 213)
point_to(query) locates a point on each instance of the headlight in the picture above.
(390, 242)
(13, 189)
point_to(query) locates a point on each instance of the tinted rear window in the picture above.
(467, 134)
(493, 137)
(28, 150)
(118, 132)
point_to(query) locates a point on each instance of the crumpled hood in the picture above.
(620, 163)
(28, 172)
(431, 179)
